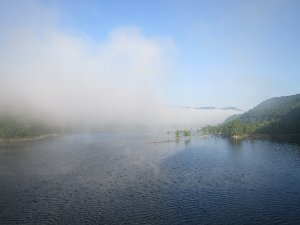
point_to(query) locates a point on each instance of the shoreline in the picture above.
(26, 139)
(295, 138)
(265, 136)
(279, 137)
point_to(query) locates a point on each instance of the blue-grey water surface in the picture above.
(122, 177)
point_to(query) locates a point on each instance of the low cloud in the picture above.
(50, 73)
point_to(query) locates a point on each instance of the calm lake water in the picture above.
(122, 177)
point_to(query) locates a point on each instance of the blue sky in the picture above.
(226, 53)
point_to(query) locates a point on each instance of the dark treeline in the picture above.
(12, 126)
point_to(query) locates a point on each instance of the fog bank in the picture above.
(66, 78)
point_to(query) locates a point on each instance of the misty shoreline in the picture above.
(293, 138)
(26, 139)
(265, 136)
(282, 137)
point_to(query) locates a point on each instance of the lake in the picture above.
(130, 177)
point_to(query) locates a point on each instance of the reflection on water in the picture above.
(124, 178)
(234, 143)
(187, 141)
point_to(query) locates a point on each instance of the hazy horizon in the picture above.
(111, 62)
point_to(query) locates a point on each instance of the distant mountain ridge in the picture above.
(211, 108)
(225, 108)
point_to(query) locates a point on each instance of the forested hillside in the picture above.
(275, 116)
